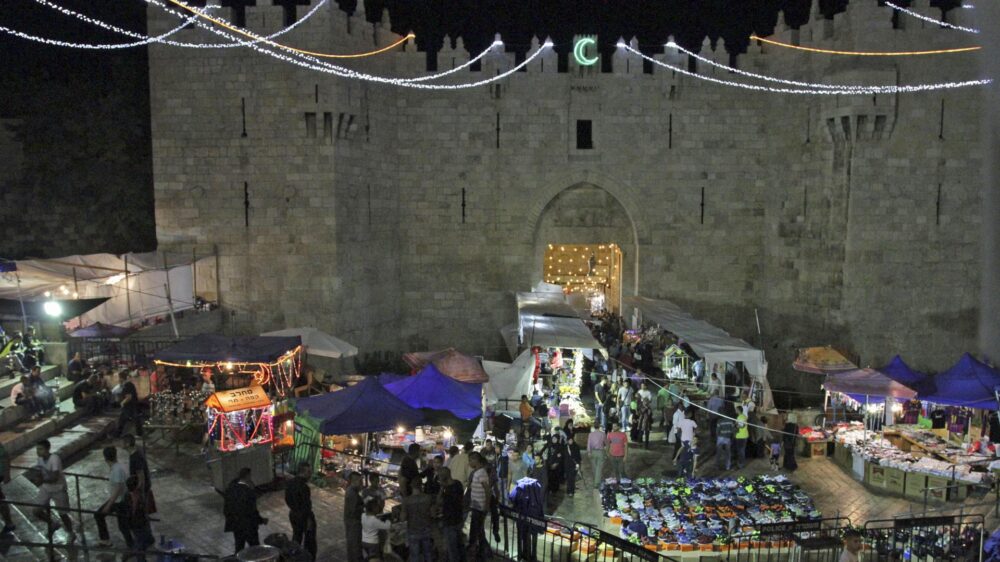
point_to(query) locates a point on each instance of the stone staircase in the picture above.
(70, 433)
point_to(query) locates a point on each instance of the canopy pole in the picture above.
(170, 303)
(128, 292)
(20, 299)
(76, 285)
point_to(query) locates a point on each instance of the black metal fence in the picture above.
(547, 539)
(945, 537)
(807, 541)
(113, 352)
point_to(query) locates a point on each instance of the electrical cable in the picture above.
(848, 87)
(865, 53)
(858, 91)
(929, 19)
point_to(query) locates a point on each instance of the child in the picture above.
(852, 546)
(775, 454)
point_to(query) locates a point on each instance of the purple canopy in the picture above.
(434, 390)
(969, 383)
(899, 371)
(361, 408)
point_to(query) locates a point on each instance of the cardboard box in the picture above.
(895, 480)
(936, 491)
(875, 475)
(915, 485)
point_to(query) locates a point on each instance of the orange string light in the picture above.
(864, 53)
(245, 33)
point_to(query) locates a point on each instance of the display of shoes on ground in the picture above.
(685, 513)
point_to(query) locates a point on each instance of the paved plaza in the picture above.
(190, 510)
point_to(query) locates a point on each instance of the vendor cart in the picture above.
(240, 423)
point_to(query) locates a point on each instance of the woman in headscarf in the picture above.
(554, 455)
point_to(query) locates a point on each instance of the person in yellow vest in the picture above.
(742, 434)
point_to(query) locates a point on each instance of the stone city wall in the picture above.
(402, 218)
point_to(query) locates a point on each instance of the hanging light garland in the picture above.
(99, 46)
(920, 16)
(846, 87)
(321, 66)
(235, 29)
(866, 90)
(865, 53)
(281, 373)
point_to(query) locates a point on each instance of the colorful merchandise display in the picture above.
(239, 418)
(674, 513)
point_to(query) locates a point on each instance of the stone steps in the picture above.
(49, 372)
(11, 414)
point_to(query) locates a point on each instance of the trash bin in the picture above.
(261, 553)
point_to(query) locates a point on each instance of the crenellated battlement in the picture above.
(863, 26)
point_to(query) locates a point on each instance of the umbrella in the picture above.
(100, 330)
(867, 382)
(450, 362)
(319, 343)
(821, 361)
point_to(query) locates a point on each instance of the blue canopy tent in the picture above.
(362, 408)
(434, 390)
(899, 371)
(969, 383)
(388, 378)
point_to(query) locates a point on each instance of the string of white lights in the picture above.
(145, 40)
(849, 87)
(100, 46)
(920, 16)
(312, 63)
(865, 90)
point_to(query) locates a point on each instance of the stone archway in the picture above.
(585, 213)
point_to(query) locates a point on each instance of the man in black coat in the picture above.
(240, 509)
(298, 498)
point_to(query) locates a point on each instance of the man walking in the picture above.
(724, 429)
(53, 489)
(353, 509)
(117, 474)
(479, 494)
(597, 443)
(452, 518)
(129, 404)
(618, 451)
(240, 508)
(417, 514)
(742, 434)
(600, 397)
(298, 498)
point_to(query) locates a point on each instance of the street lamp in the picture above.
(52, 308)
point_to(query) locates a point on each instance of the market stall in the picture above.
(702, 514)
(931, 441)
(240, 425)
(272, 362)
(339, 422)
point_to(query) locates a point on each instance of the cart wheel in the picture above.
(819, 420)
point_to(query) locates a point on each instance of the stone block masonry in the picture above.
(395, 217)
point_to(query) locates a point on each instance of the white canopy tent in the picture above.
(714, 344)
(546, 319)
(319, 343)
(508, 381)
(134, 297)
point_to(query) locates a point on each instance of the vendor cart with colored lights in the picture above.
(241, 428)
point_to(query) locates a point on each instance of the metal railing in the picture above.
(549, 539)
(76, 485)
(118, 352)
(814, 541)
(945, 537)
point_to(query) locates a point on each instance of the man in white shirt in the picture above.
(479, 496)
(687, 427)
(645, 393)
(458, 463)
(117, 475)
(52, 488)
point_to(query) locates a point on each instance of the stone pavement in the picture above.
(190, 510)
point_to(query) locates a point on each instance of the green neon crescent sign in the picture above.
(580, 51)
